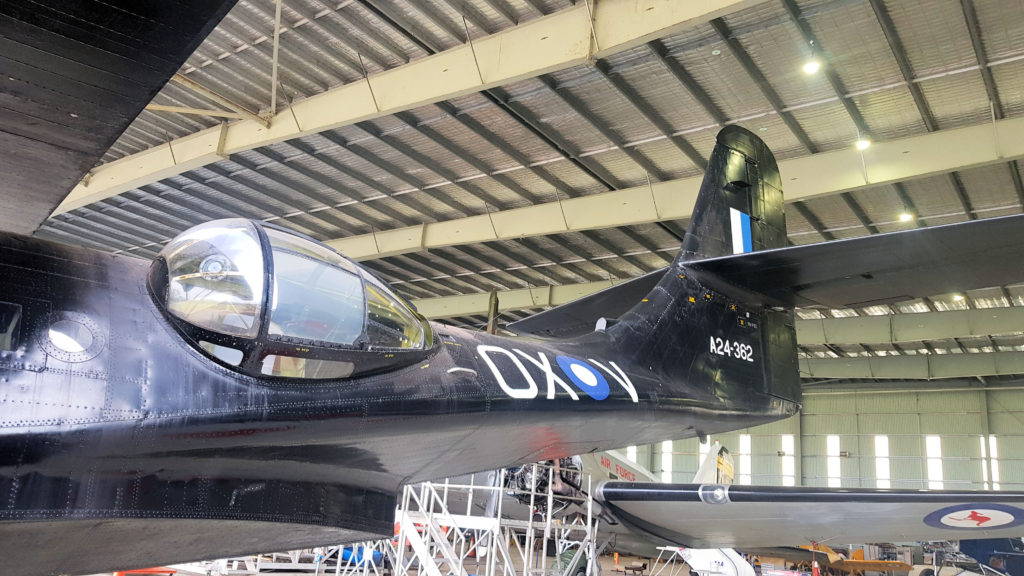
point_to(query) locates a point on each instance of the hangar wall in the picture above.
(960, 418)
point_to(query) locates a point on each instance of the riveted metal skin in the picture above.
(150, 452)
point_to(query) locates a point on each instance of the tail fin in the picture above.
(739, 207)
(693, 326)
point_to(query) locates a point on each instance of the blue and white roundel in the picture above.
(976, 517)
(585, 377)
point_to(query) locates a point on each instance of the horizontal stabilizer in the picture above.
(720, 516)
(862, 271)
(578, 317)
(880, 268)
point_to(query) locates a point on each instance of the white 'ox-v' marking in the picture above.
(543, 363)
(621, 378)
(531, 389)
(523, 393)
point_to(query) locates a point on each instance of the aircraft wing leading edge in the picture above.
(838, 274)
(735, 516)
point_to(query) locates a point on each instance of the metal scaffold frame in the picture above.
(442, 528)
(439, 542)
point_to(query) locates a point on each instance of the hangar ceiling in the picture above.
(574, 175)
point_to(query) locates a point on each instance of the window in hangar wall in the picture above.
(788, 455)
(933, 452)
(990, 459)
(666, 461)
(883, 474)
(744, 469)
(834, 465)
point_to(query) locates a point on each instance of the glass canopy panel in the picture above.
(292, 243)
(390, 323)
(215, 277)
(294, 367)
(317, 294)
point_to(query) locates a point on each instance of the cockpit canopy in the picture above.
(277, 304)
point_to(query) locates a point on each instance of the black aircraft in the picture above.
(252, 389)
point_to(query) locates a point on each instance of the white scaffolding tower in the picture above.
(452, 529)
(444, 531)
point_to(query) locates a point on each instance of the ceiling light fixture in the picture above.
(906, 217)
(958, 297)
(813, 63)
(862, 143)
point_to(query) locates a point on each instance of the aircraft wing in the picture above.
(718, 516)
(75, 76)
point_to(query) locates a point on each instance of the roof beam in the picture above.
(829, 71)
(911, 327)
(917, 367)
(686, 80)
(908, 204)
(961, 195)
(560, 40)
(650, 114)
(855, 207)
(813, 220)
(900, 54)
(974, 29)
(740, 54)
(806, 177)
(1018, 186)
(193, 111)
(216, 98)
(520, 299)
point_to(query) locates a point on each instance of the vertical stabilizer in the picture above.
(698, 327)
(739, 208)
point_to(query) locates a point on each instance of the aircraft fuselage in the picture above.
(141, 408)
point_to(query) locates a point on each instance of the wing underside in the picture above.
(716, 516)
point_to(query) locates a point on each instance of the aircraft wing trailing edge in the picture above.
(720, 516)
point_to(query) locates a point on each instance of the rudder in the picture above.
(740, 206)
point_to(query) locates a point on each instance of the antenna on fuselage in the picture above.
(492, 312)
